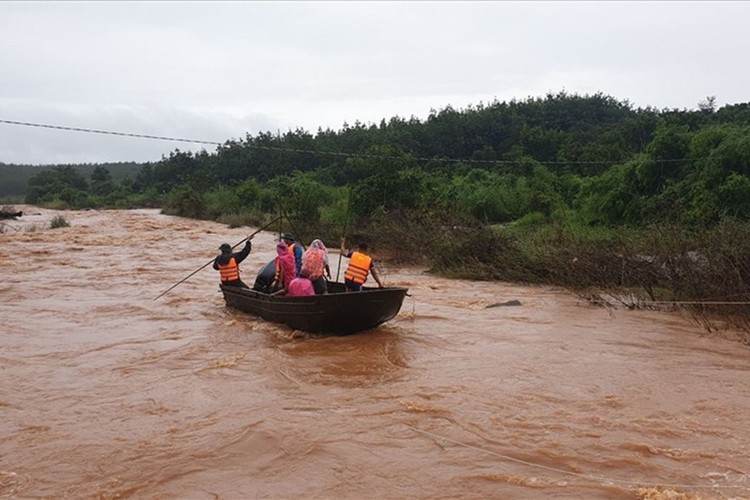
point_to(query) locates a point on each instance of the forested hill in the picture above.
(14, 178)
(592, 156)
(583, 135)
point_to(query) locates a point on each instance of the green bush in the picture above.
(185, 202)
(58, 221)
(221, 202)
(245, 218)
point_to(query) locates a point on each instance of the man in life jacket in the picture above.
(228, 263)
(360, 265)
(295, 249)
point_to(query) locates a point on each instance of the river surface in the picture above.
(108, 393)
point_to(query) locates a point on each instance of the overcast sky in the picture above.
(214, 71)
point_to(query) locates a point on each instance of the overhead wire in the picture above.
(108, 132)
(697, 302)
(323, 152)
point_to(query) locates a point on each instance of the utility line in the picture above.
(108, 132)
(696, 302)
(329, 153)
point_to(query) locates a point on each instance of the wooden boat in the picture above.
(337, 312)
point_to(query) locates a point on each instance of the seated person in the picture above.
(285, 271)
(298, 287)
(315, 264)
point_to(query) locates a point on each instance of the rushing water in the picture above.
(109, 393)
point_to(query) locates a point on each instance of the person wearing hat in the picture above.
(294, 249)
(228, 263)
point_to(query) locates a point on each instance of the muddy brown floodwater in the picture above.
(109, 393)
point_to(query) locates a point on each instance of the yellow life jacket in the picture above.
(359, 267)
(229, 271)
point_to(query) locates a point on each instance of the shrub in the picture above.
(185, 202)
(58, 221)
(221, 202)
(248, 218)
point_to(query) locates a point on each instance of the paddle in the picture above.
(210, 261)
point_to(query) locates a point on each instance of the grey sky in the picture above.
(218, 70)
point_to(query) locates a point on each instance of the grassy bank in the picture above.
(705, 271)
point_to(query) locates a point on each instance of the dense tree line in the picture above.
(594, 157)
(14, 178)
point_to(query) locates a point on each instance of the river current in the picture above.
(109, 393)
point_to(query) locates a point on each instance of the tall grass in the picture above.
(705, 271)
(58, 221)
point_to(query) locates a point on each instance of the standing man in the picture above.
(360, 265)
(228, 263)
(295, 249)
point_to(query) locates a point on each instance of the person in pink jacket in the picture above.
(298, 287)
(315, 265)
(301, 286)
(285, 269)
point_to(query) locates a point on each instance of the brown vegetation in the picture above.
(706, 272)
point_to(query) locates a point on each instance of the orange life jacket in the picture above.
(359, 267)
(229, 271)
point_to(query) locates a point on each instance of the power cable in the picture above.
(108, 132)
(328, 153)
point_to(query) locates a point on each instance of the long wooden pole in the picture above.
(294, 231)
(210, 261)
(346, 221)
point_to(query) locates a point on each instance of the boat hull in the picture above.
(337, 312)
